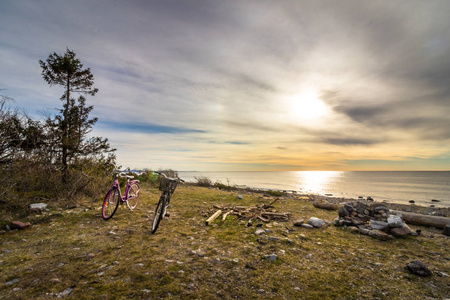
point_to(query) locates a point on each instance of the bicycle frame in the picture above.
(128, 184)
(130, 197)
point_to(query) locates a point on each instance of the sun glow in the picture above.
(307, 106)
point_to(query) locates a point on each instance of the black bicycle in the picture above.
(167, 186)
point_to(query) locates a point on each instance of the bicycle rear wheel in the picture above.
(110, 204)
(159, 212)
(133, 196)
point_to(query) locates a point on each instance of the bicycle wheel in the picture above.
(110, 204)
(133, 196)
(159, 212)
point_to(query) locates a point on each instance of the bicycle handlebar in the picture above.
(165, 176)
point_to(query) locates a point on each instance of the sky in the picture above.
(246, 85)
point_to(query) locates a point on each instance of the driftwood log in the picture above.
(213, 217)
(326, 205)
(409, 218)
(418, 219)
(265, 213)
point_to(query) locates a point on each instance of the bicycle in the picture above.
(114, 195)
(167, 185)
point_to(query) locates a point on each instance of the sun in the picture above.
(307, 106)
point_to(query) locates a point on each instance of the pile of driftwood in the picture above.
(264, 213)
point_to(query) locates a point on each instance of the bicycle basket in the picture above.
(164, 184)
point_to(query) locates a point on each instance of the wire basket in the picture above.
(167, 185)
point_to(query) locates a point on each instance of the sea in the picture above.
(425, 188)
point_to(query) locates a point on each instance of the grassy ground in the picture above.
(74, 253)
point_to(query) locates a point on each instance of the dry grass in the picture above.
(78, 252)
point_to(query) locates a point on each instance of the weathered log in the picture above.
(225, 215)
(326, 205)
(213, 217)
(424, 220)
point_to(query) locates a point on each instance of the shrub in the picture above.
(203, 181)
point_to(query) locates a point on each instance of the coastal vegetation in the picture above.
(55, 158)
(74, 253)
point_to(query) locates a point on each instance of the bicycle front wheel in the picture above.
(110, 204)
(159, 212)
(133, 196)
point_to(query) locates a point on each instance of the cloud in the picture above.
(210, 76)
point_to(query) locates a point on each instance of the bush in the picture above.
(203, 181)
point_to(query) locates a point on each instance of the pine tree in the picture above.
(72, 125)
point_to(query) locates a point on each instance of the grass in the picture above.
(76, 252)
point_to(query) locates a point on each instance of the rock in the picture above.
(299, 223)
(412, 201)
(349, 208)
(16, 280)
(401, 231)
(353, 229)
(435, 200)
(18, 225)
(379, 225)
(446, 230)
(363, 230)
(379, 209)
(343, 212)
(259, 231)
(239, 197)
(37, 207)
(337, 222)
(316, 222)
(273, 239)
(418, 268)
(378, 234)
(65, 293)
(369, 198)
(271, 257)
(361, 207)
(307, 226)
(395, 221)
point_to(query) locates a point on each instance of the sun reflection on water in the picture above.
(316, 181)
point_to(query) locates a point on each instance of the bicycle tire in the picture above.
(110, 204)
(133, 196)
(159, 212)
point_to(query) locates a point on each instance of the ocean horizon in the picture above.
(425, 188)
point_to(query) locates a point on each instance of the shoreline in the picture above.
(411, 207)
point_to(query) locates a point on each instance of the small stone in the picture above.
(273, 239)
(239, 197)
(378, 234)
(37, 207)
(259, 231)
(307, 226)
(412, 201)
(353, 229)
(349, 208)
(394, 221)
(299, 222)
(379, 209)
(343, 212)
(65, 293)
(316, 222)
(16, 280)
(18, 225)
(379, 225)
(435, 200)
(361, 207)
(271, 257)
(401, 231)
(446, 230)
(418, 268)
